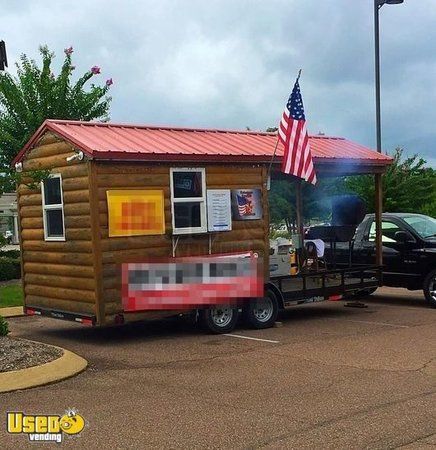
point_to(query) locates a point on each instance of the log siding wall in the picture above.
(57, 275)
(83, 274)
(245, 235)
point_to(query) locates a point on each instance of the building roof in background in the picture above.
(8, 201)
(121, 142)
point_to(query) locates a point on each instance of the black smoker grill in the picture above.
(347, 212)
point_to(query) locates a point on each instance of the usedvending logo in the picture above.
(45, 428)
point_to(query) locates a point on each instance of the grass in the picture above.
(11, 295)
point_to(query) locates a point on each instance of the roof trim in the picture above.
(53, 125)
(48, 125)
(168, 157)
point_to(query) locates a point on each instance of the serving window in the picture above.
(188, 200)
(53, 208)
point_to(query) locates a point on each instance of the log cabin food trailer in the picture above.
(124, 195)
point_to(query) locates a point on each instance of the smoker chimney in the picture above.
(347, 210)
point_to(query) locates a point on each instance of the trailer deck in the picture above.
(327, 283)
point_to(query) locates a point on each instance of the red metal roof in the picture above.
(156, 143)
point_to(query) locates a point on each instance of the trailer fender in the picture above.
(272, 287)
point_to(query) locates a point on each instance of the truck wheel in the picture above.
(262, 312)
(429, 288)
(219, 319)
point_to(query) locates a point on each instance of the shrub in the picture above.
(4, 328)
(10, 268)
(10, 254)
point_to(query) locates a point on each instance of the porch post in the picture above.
(378, 219)
(299, 206)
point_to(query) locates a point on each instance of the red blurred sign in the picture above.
(189, 282)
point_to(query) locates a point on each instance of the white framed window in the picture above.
(188, 200)
(53, 208)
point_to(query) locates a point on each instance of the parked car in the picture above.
(409, 251)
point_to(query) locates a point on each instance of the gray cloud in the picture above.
(232, 64)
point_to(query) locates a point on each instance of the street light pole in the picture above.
(377, 5)
(378, 176)
(3, 58)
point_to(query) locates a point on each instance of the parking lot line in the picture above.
(251, 338)
(373, 323)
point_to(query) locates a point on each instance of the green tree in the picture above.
(408, 186)
(430, 208)
(282, 203)
(316, 205)
(36, 94)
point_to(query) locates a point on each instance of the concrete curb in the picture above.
(13, 311)
(68, 365)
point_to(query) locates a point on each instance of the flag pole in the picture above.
(273, 156)
(277, 141)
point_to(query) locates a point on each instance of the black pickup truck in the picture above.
(409, 251)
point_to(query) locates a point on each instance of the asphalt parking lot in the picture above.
(329, 377)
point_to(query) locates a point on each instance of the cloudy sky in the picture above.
(232, 63)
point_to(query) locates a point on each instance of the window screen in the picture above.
(52, 191)
(187, 184)
(187, 215)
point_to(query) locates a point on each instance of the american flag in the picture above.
(297, 158)
(243, 205)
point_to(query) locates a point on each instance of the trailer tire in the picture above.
(219, 319)
(429, 288)
(262, 312)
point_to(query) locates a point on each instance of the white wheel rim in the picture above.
(222, 316)
(263, 309)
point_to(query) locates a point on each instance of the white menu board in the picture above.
(219, 211)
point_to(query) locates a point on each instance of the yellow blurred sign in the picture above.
(135, 212)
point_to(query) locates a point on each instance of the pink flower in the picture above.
(95, 70)
(68, 51)
(109, 82)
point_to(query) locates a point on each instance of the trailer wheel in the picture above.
(262, 312)
(429, 288)
(220, 319)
